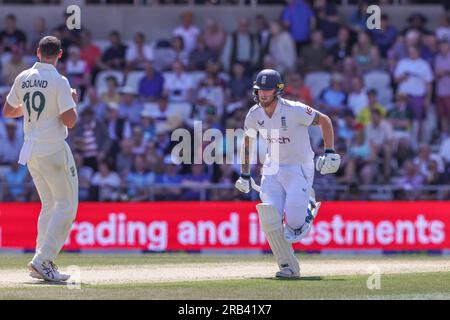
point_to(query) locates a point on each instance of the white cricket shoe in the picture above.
(287, 273)
(46, 270)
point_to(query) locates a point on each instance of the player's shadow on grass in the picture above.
(310, 278)
(52, 283)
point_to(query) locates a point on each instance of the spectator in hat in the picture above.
(129, 107)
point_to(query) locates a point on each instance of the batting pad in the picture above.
(272, 226)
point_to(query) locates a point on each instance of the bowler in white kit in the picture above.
(288, 170)
(46, 101)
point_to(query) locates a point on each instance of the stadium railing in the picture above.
(325, 192)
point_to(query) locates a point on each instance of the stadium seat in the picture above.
(102, 44)
(100, 82)
(317, 82)
(377, 79)
(133, 79)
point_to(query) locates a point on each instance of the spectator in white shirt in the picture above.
(138, 53)
(424, 159)
(443, 31)
(107, 182)
(187, 31)
(414, 77)
(282, 48)
(178, 85)
(357, 98)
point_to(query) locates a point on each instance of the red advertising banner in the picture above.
(161, 226)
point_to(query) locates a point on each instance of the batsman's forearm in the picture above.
(245, 155)
(327, 132)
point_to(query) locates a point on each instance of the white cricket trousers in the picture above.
(56, 180)
(288, 191)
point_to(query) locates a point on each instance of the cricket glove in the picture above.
(329, 162)
(243, 184)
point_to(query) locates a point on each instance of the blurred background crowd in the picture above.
(387, 91)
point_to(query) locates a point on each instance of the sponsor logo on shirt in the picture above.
(283, 123)
(281, 140)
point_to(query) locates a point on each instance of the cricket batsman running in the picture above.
(288, 169)
(47, 102)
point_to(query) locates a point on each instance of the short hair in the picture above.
(11, 16)
(372, 92)
(49, 46)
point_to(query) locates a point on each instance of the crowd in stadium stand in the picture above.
(387, 92)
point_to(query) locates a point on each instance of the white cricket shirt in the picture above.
(45, 95)
(287, 129)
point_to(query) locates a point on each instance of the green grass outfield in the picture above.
(105, 277)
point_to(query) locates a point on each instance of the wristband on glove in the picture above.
(329, 151)
(245, 176)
